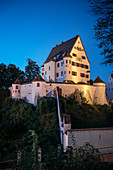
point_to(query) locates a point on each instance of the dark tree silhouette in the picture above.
(32, 70)
(103, 10)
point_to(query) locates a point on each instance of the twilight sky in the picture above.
(31, 28)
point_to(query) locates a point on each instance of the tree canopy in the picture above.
(32, 70)
(103, 10)
(8, 74)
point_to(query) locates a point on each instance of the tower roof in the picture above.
(98, 80)
(63, 47)
(17, 81)
(39, 78)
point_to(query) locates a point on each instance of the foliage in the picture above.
(4, 93)
(85, 115)
(8, 74)
(17, 118)
(32, 70)
(85, 158)
(103, 10)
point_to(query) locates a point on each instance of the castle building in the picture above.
(68, 68)
(109, 87)
(67, 62)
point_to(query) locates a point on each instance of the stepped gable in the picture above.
(64, 47)
(17, 81)
(98, 80)
(39, 78)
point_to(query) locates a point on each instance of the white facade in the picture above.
(100, 138)
(95, 94)
(109, 87)
(66, 65)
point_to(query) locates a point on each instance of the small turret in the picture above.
(16, 89)
(99, 96)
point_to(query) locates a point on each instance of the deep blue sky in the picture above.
(31, 28)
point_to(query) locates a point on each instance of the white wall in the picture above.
(38, 92)
(26, 92)
(100, 138)
(89, 91)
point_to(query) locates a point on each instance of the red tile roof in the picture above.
(98, 80)
(64, 47)
(39, 78)
(17, 81)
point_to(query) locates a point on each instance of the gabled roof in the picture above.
(98, 80)
(39, 78)
(64, 47)
(17, 81)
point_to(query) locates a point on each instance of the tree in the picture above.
(14, 73)
(103, 10)
(8, 74)
(32, 70)
(3, 75)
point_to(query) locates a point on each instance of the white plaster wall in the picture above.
(68, 89)
(26, 92)
(49, 72)
(100, 139)
(109, 88)
(67, 69)
(59, 70)
(100, 96)
(38, 92)
(15, 92)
